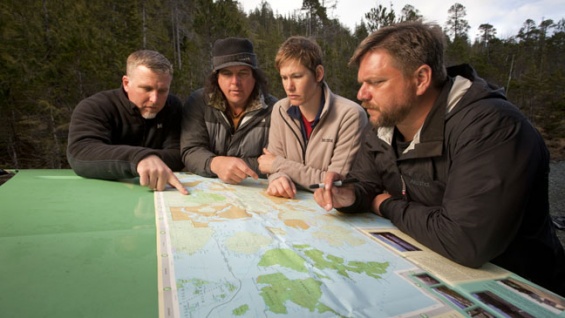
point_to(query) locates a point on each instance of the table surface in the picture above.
(65, 252)
(75, 247)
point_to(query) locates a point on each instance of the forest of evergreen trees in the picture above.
(55, 53)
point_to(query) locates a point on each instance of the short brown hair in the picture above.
(304, 50)
(410, 44)
(153, 60)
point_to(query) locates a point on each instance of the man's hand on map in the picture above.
(155, 174)
(330, 196)
(231, 170)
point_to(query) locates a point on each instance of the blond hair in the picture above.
(153, 60)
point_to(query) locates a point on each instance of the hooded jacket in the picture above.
(108, 136)
(472, 185)
(207, 132)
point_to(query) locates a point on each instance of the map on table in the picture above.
(234, 251)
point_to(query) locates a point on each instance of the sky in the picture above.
(506, 16)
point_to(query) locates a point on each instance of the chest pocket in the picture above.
(424, 179)
(218, 138)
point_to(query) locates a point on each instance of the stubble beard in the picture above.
(149, 115)
(149, 111)
(389, 119)
(394, 116)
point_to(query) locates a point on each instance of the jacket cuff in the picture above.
(361, 204)
(388, 206)
(142, 155)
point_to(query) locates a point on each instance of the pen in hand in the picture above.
(337, 183)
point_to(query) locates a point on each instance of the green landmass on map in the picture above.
(321, 261)
(241, 310)
(289, 258)
(283, 257)
(306, 292)
(206, 197)
(199, 286)
(195, 282)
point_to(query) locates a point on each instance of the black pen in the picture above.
(337, 183)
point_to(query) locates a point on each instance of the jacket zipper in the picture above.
(303, 146)
(404, 196)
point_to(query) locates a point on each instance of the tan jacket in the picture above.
(333, 144)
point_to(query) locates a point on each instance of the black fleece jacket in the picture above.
(108, 136)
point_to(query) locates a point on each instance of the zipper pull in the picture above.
(404, 196)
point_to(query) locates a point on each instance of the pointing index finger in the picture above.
(248, 171)
(174, 181)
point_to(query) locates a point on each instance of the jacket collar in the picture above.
(218, 101)
(428, 141)
(125, 100)
(294, 111)
(132, 108)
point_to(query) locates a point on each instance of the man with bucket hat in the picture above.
(225, 124)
